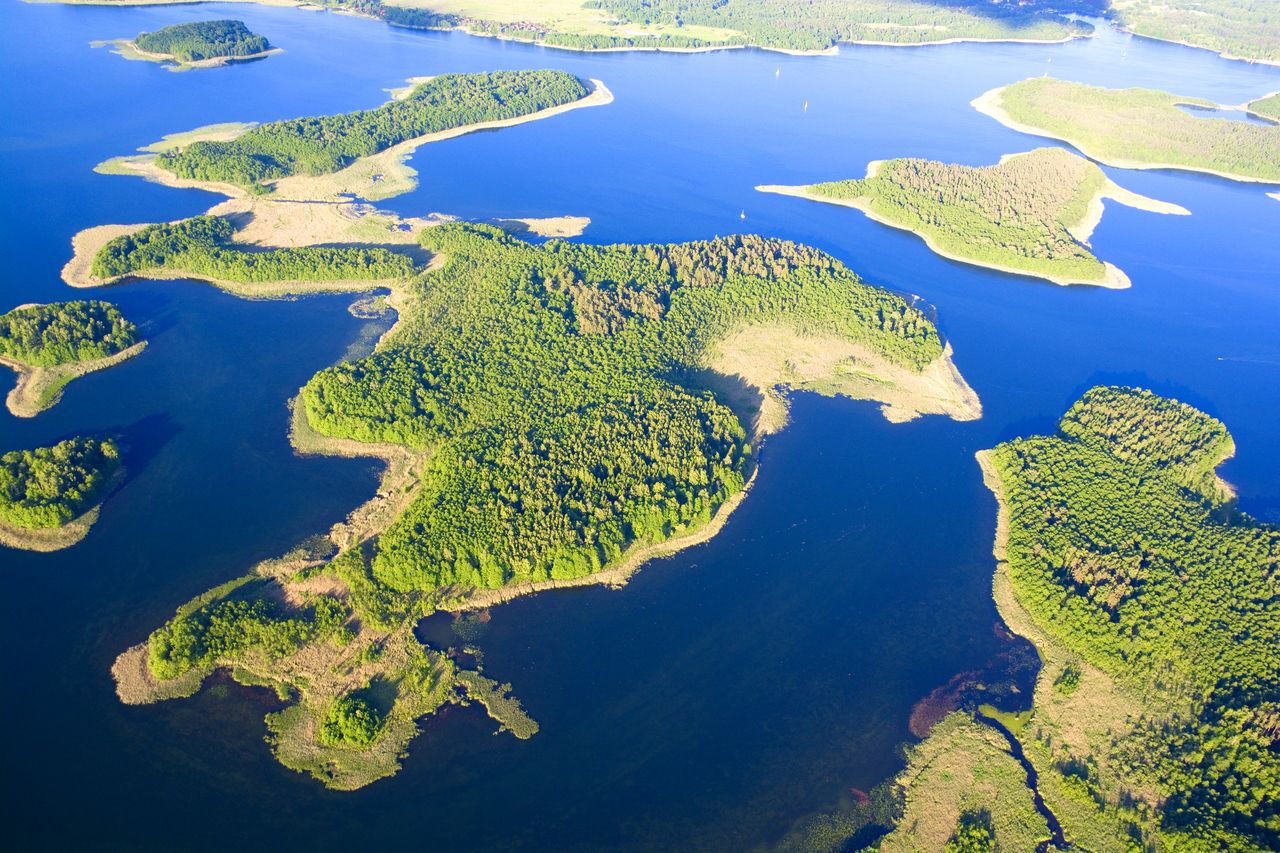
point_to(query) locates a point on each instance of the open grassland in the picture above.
(1137, 128)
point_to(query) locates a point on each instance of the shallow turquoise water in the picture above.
(725, 692)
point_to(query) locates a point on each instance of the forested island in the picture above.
(200, 44)
(551, 415)
(1032, 213)
(320, 145)
(1236, 29)
(1137, 128)
(49, 345)
(49, 496)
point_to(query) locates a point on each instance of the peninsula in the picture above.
(1137, 128)
(1149, 597)
(1031, 214)
(549, 415)
(202, 44)
(49, 345)
(49, 496)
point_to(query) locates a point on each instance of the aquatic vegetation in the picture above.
(1138, 128)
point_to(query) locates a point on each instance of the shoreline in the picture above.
(1220, 53)
(833, 50)
(988, 103)
(40, 388)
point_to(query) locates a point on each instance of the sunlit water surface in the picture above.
(724, 693)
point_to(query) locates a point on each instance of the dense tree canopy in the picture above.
(539, 378)
(203, 40)
(1246, 29)
(318, 145)
(65, 333)
(49, 486)
(202, 246)
(1015, 214)
(1120, 548)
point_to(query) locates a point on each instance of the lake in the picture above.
(723, 694)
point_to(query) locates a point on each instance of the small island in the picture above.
(1138, 128)
(49, 345)
(201, 44)
(1031, 214)
(49, 496)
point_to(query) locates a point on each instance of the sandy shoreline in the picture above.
(40, 388)
(989, 104)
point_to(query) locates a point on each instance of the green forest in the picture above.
(540, 378)
(822, 24)
(1268, 106)
(49, 486)
(1144, 126)
(319, 145)
(203, 40)
(202, 246)
(65, 333)
(549, 393)
(1123, 547)
(1014, 214)
(1244, 29)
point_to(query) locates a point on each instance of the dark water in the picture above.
(725, 692)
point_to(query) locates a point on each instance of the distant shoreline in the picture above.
(989, 104)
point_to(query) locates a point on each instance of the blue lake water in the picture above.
(726, 692)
